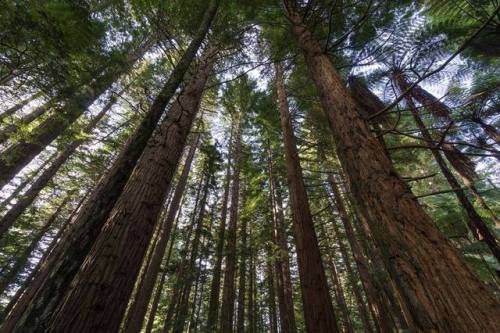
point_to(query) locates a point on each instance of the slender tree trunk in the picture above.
(13, 109)
(477, 226)
(340, 296)
(240, 322)
(41, 182)
(122, 242)
(49, 249)
(460, 162)
(382, 314)
(490, 130)
(95, 212)
(213, 305)
(282, 263)
(228, 292)
(157, 296)
(139, 307)
(189, 278)
(17, 156)
(7, 131)
(181, 267)
(271, 299)
(318, 310)
(7, 279)
(27, 180)
(436, 285)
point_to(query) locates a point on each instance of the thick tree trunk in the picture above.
(282, 263)
(213, 305)
(240, 320)
(436, 285)
(99, 292)
(477, 226)
(95, 212)
(318, 310)
(139, 308)
(39, 184)
(228, 292)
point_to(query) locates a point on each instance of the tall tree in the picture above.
(318, 310)
(94, 213)
(419, 253)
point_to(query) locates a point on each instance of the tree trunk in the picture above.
(7, 279)
(339, 296)
(17, 156)
(271, 299)
(95, 212)
(139, 307)
(460, 162)
(282, 263)
(41, 182)
(189, 277)
(437, 286)
(477, 226)
(213, 305)
(181, 267)
(228, 292)
(156, 298)
(13, 109)
(10, 129)
(251, 286)
(319, 315)
(240, 322)
(27, 180)
(99, 292)
(382, 314)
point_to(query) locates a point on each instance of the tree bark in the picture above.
(139, 307)
(436, 285)
(228, 292)
(41, 182)
(240, 321)
(95, 212)
(213, 305)
(282, 263)
(382, 314)
(319, 315)
(99, 292)
(271, 299)
(189, 276)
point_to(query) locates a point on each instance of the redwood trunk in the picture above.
(319, 315)
(240, 323)
(213, 305)
(98, 295)
(228, 293)
(12, 110)
(436, 285)
(139, 307)
(93, 215)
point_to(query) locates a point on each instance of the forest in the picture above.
(246, 166)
